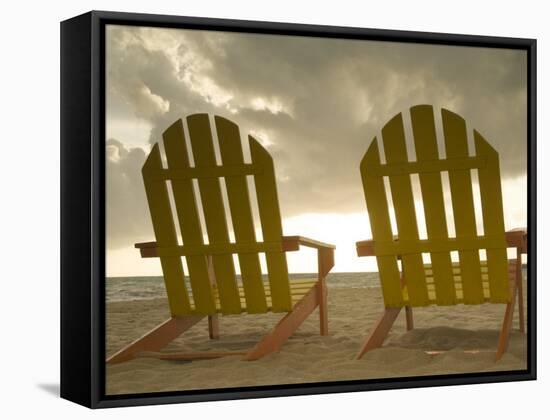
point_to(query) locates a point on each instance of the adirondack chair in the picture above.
(212, 287)
(471, 280)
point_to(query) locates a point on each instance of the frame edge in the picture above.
(93, 186)
(76, 264)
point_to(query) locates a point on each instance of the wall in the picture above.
(30, 209)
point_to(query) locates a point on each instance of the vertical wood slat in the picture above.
(214, 212)
(241, 214)
(393, 136)
(165, 233)
(425, 141)
(493, 220)
(186, 206)
(456, 145)
(270, 217)
(379, 216)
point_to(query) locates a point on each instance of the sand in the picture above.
(308, 357)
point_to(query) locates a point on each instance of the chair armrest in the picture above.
(365, 248)
(147, 249)
(141, 245)
(292, 243)
(325, 252)
(517, 238)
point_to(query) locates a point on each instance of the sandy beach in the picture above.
(466, 335)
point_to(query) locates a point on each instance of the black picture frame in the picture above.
(83, 207)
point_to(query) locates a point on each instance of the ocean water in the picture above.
(137, 288)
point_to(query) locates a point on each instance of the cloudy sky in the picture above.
(315, 104)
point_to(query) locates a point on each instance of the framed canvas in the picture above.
(256, 209)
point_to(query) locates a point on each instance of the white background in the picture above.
(29, 208)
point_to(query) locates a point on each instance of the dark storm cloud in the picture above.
(127, 214)
(317, 103)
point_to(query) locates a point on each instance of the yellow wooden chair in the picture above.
(212, 287)
(471, 280)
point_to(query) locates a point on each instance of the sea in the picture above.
(139, 288)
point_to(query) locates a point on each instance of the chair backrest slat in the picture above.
(441, 285)
(241, 215)
(493, 218)
(270, 217)
(214, 212)
(214, 286)
(425, 142)
(379, 215)
(460, 181)
(165, 232)
(186, 208)
(395, 149)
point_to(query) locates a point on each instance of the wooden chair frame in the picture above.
(213, 285)
(153, 341)
(516, 238)
(415, 283)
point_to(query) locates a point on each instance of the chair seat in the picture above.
(458, 282)
(298, 289)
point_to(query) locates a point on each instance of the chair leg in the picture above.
(506, 325)
(323, 313)
(213, 327)
(409, 317)
(157, 338)
(325, 261)
(213, 320)
(408, 309)
(286, 326)
(380, 332)
(519, 285)
(521, 310)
